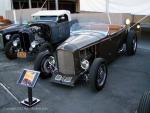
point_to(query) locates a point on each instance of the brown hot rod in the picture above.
(86, 54)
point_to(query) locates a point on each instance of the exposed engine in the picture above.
(87, 53)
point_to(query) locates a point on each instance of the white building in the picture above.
(4, 6)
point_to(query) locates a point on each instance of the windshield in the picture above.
(45, 18)
(82, 28)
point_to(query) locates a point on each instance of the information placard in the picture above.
(28, 78)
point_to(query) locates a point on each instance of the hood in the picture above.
(81, 39)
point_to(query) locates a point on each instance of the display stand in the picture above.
(28, 78)
(30, 101)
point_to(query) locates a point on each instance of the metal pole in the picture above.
(107, 11)
(43, 4)
(30, 95)
(14, 15)
(12, 6)
(30, 6)
(140, 20)
(56, 4)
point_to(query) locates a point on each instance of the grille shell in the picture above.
(25, 41)
(66, 63)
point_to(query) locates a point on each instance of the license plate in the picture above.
(22, 54)
(58, 77)
(63, 79)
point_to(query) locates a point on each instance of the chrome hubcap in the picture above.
(48, 66)
(101, 75)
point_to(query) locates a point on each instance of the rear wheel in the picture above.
(10, 51)
(131, 44)
(98, 74)
(144, 105)
(43, 64)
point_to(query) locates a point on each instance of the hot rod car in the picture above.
(48, 29)
(36, 38)
(86, 54)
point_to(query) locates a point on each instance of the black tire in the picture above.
(131, 43)
(10, 51)
(144, 105)
(97, 65)
(44, 47)
(39, 62)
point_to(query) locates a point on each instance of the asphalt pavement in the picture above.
(128, 79)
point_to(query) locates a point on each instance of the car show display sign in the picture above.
(28, 78)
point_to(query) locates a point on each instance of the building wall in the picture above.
(22, 15)
(4, 6)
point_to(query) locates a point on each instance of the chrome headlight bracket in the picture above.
(52, 61)
(85, 64)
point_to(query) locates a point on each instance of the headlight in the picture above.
(15, 43)
(138, 26)
(128, 22)
(85, 64)
(34, 43)
(8, 37)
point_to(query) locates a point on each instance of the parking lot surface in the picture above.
(128, 79)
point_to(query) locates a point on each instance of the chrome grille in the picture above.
(65, 62)
(1, 42)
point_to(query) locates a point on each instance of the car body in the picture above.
(48, 28)
(90, 47)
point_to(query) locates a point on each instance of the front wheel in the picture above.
(98, 74)
(44, 63)
(45, 46)
(144, 105)
(131, 43)
(10, 51)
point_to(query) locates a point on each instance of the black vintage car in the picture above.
(86, 54)
(37, 37)
(48, 28)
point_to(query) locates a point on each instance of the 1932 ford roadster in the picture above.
(86, 54)
(47, 31)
